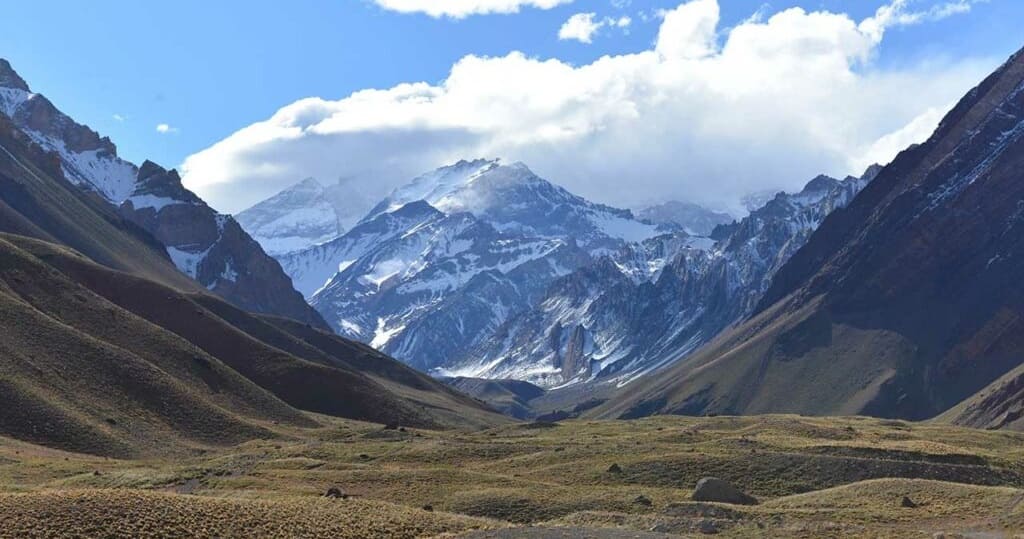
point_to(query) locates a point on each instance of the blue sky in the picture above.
(208, 69)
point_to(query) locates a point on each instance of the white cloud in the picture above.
(705, 115)
(165, 129)
(896, 14)
(119, 117)
(458, 9)
(580, 27)
(583, 26)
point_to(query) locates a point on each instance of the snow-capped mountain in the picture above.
(601, 323)
(515, 200)
(86, 158)
(443, 261)
(695, 219)
(294, 219)
(209, 247)
(303, 215)
(486, 270)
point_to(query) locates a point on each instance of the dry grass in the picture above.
(815, 476)
(137, 514)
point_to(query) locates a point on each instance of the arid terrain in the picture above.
(813, 477)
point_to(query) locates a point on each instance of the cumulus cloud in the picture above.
(705, 115)
(165, 129)
(580, 27)
(458, 9)
(583, 26)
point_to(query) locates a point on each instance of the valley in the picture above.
(356, 319)
(812, 477)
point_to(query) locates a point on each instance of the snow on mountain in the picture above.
(294, 219)
(603, 323)
(86, 158)
(443, 261)
(209, 247)
(514, 199)
(487, 270)
(314, 267)
(303, 215)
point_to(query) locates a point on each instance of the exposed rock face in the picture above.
(9, 78)
(442, 262)
(903, 304)
(212, 248)
(712, 489)
(628, 323)
(482, 269)
(206, 246)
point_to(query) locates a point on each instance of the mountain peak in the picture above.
(309, 184)
(820, 183)
(149, 169)
(10, 78)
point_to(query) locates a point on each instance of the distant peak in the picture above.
(415, 208)
(871, 172)
(309, 183)
(150, 169)
(820, 183)
(307, 187)
(10, 78)
(481, 164)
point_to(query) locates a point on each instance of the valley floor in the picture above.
(815, 477)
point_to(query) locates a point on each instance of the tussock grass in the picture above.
(816, 477)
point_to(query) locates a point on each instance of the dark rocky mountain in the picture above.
(211, 247)
(695, 219)
(903, 304)
(204, 245)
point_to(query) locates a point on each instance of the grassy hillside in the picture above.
(814, 477)
(105, 362)
(36, 201)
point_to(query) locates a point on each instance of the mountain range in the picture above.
(906, 303)
(886, 294)
(485, 270)
(138, 320)
(152, 324)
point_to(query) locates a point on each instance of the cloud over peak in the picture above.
(705, 115)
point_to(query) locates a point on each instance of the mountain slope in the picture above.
(436, 267)
(56, 151)
(212, 248)
(80, 373)
(613, 320)
(903, 305)
(105, 362)
(37, 201)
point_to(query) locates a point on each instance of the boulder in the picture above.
(335, 492)
(713, 489)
